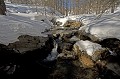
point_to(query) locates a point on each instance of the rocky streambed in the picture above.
(60, 56)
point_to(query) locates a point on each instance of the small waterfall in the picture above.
(53, 55)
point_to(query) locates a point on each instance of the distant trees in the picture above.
(74, 6)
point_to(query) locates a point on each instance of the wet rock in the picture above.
(67, 55)
(27, 43)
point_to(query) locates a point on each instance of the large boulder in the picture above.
(27, 43)
(88, 52)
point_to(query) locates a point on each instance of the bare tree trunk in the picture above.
(2, 7)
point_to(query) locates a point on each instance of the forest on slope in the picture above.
(74, 7)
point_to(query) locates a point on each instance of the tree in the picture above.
(2, 7)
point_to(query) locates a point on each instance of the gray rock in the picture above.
(27, 43)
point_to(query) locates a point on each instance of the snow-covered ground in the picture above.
(85, 18)
(19, 21)
(12, 26)
(108, 26)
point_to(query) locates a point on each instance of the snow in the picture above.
(11, 27)
(63, 20)
(84, 18)
(88, 46)
(108, 26)
(19, 22)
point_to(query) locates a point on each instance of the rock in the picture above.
(67, 46)
(74, 38)
(82, 35)
(86, 47)
(53, 20)
(73, 69)
(100, 54)
(112, 44)
(73, 24)
(109, 59)
(114, 67)
(67, 55)
(67, 37)
(27, 43)
(89, 52)
(86, 61)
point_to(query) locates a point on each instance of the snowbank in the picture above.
(13, 26)
(85, 18)
(108, 26)
(22, 20)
